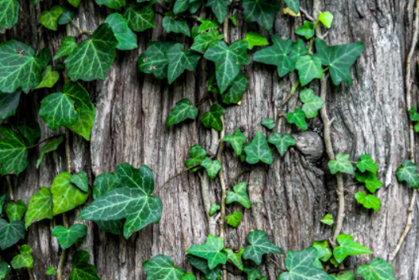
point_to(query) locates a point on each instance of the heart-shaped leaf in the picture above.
(236, 140)
(235, 258)
(140, 17)
(24, 259)
(306, 30)
(40, 206)
(348, 247)
(162, 267)
(408, 173)
(9, 14)
(261, 11)
(11, 233)
(234, 219)
(366, 163)
(197, 156)
(49, 19)
(67, 237)
(298, 117)
(369, 179)
(183, 110)
(309, 68)
(269, 123)
(212, 167)
(80, 180)
(68, 45)
(326, 18)
(49, 78)
(214, 208)
(212, 119)
(259, 245)
(16, 210)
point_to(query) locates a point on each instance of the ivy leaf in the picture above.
(378, 269)
(139, 17)
(294, 5)
(202, 265)
(154, 60)
(4, 268)
(49, 19)
(197, 155)
(414, 117)
(253, 273)
(234, 219)
(68, 45)
(228, 60)
(235, 93)
(207, 24)
(194, 5)
(348, 247)
(39, 207)
(65, 196)
(233, 19)
(259, 245)
(212, 167)
(323, 253)
(269, 123)
(13, 152)
(306, 30)
(9, 103)
(219, 8)
(212, 119)
(327, 220)
(312, 103)
(309, 68)
(213, 209)
(3, 199)
(80, 180)
(239, 195)
(67, 237)
(341, 164)
(176, 26)
(211, 251)
(282, 142)
(9, 14)
(49, 78)
(188, 276)
(19, 67)
(30, 133)
(93, 58)
(16, 210)
(113, 4)
(258, 150)
(326, 18)
(368, 201)
(370, 180)
(180, 60)
(50, 270)
(339, 59)
(261, 11)
(408, 173)
(346, 276)
(180, 6)
(24, 259)
(182, 111)
(127, 40)
(11, 233)
(235, 258)
(255, 39)
(74, 3)
(298, 117)
(81, 269)
(133, 201)
(58, 110)
(162, 267)
(50, 146)
(204, 40)
(236, 140)
(65, 17)
(366, 163)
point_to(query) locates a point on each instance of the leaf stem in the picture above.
(45, 140)
(76, 25)
(244, 171)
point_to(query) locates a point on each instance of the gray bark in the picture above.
(288, 197)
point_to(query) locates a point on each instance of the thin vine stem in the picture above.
(45, 140)
(77, 26)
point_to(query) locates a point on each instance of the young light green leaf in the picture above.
(269, 123)
(414, 117)
(212, 167)
(162, 267)
(261, 11)
(236, 140)
(80, 180)
(68, 45)
(50, 146)
(346, 276)
(235, 258)
(74, 3)
(234, 219)
(219, 8)
(239, 195)
(154, 60)
(49, 78)
(113, 4)
(282, 142)
(9, 14)
(197, 155)
(312, 103)
(253, 273)
(341, 164)
(258, 150)
(306, 30)
(212, 251)
(11, 233)
(212, 118)
(339, 59)
(207, 24)
(180, 60)
(65, 17)
(81, 269)
(326, 18)
(13, 152)
(233, 19)
(259, 245)
(348, 247)
(309, 68)
(140, 17)
(176, 26)
(294, 5)
(366, 163)
(127, 40)
(9, 103)
(39, 207)
(327, 220)
(24, 259)
(93, 58)
(50, 270)
(255, 39)
(4, 268)
(203, 40)
(16, 210)
(67, 237)
(378, 269)
(407, 172)
(369, 201)
(370, 180)
(298, 117)
(49, 19)
(235, 93)
(228, 60)
(323, 253)
(214, 208)
(188, 276)
(183, 110)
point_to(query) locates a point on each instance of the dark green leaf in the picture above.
(113, 4)
(309, 68)
(260, 11)
(180, 60)
(49, 19)
(24, 259)
(176, 26)
(154, 60)
(30, 133)
(11, 233)
(80, 180)
(212, 119)
(68, 45)
(369, 201)
(182, 111)
(211, 251)
(219, 8)
(212, 167)
(235, 258)
(39, 207)
(236, 140)
(67, 237)
(269, 123)
(234, 219)
(239, 195)
(213, 209)
(341, 164)
(378, 269)
(9, 103)
(348, 247)
(180, 6)
(13, 152)
(4, 269)
(65, 17)
(139, 17)
(282, 142)
(197, 155)
(16, 210)
(306, 30)
(235, 93)
(408, 173)
(162, 267)
(50, 146)
(294, 5)
(74, 3)
(312, 103)
(253, 273)
(127, 40)
(259, 245)
(202, 265)
(298, 117)
(9, 14)
(258, 150)
(81, 269)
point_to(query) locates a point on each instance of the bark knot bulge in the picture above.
(310, 144)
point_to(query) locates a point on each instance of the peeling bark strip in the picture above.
(288, 197)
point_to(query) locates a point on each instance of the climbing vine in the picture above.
(127, 200)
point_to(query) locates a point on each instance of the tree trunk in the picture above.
(289, 197)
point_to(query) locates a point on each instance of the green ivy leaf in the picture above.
(326, 18)
(407, 172)
(3, 199)
(235, 258)
(202, 265)
(348, 247)
(74, 3)
(67, 237)
(176, 26)
(414, 117)
(339, 59)
(306, 30)
(30, 133)
(39, 207)
(16, 210)
(327, 220)
(50, 146)
(65, 17)
(93, 58)
(239, 195)
(180, 60)
(197, 155)
(341, 164)
(370, 180)
(261, 11)
(214, 208)
(228, 60)
(4, 269)
(9, 14)
(258, 150)
(233, 19)
(13, 152)
(19, 67)
(113, 4)
(366, 163)
(203, 40)
(212, 167)
(294, 5)
(298, 117)
(11, 233)
(378, 269)
(50, 270)
(236, 140)
(194, 6)
(154, 60)
(219, 8)
(188, 276)
(255, 39)
(68, 45)
(235, 93)
(234, 219)
(9, 103)
(49, 19)
(81, 269)
(323, 253)
(127, 40)
(309, 68)
(139, 17)
(80, 180)
(162, 267)
(269, 123)
(282, 142)
(253, 273)
(259, 245)
(207, 24)
(212, 119)
(183, 110)
(346, 276)
(49, 78)
(368, 201)
(24, 259)
(180, 6)
(65, 195)
(212, 251)
(312, 103)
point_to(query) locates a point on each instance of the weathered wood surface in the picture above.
(288, 197)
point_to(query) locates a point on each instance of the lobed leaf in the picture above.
(258, 150)
(212, 251)
(259, 245)
(239, 195)
(236, 140)
(127, 40)
(348, 247)
(67, 237)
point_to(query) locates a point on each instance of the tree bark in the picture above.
(289, 197)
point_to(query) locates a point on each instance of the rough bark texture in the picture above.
(288, 197)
